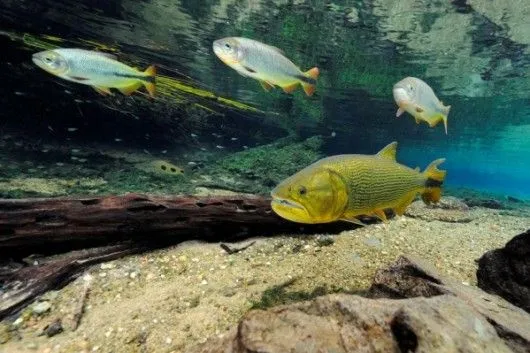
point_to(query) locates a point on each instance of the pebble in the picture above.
(41, 307)
(133, 275)
(107, 266)
(54, 328)
(168, 340)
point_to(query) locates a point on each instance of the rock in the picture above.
(350, 323)
(453, 318)
(486, 203)
(449, 209)
(411, 277)
(41, 307)
(54, 328)
(506, 271)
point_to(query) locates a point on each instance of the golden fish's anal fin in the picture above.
(103, 90)
(381, 215)
(290, 88)
(130, 89)
(418, 119)
(354, 221)
(389, 151)
(266, 85)
(404, 203)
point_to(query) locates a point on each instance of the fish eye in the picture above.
(227, 46)
(411, 88)
(302, 190)
(48, 59)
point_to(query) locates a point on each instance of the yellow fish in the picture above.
(344, 187)
(99, 70)
(415, 97)
(265, 63)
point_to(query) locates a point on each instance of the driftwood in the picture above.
(111, 227)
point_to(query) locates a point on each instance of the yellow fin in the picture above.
(102, 90)
(418, 119)
(290, 88)
(149, 83)
(266, 86)
(381, 215)
(354, 221)
(309, 88)
(435, 178)
(389, 151)
(130, 89)
(404, 203)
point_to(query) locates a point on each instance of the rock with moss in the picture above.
(261, 168)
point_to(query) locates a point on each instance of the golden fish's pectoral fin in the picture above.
(103, 90)
(404, 203)
(130, 89)
(419, 109)
(266, 85)
(290, 88)
(380, 214)
(354, 221)
(399, 112)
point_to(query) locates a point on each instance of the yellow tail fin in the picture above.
(309, 88)
(150, 84)
(435, 178)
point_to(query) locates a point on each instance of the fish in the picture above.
(265, 63)
(345, 187)
(97, 69)
(417, 98)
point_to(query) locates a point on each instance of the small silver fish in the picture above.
(265, 63)
(415, 97)
(99, 70)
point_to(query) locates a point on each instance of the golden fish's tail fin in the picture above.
(435, 178)
(149, 82)
(312, 75)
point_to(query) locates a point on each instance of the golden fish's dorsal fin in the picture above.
(389, 151)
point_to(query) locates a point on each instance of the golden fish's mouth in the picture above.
(287, 203)
(291, 211)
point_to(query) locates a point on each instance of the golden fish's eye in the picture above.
(302, 190)
(227, 46)
(410, 87)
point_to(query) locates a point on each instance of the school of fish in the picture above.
(341, 187)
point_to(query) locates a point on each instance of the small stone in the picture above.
(54, 328)
(18, 322)
(149, 276)
(103, 274)
(32, 346)
(133, 275)
(41, 307)
(107, 266)
(204, 282)
(168, 340)
(195, 259)
(183, 258)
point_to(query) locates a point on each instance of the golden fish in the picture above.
(344, 187)
(99, 70)
(265, 63)
(415, 97)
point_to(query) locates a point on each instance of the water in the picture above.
(475, 55)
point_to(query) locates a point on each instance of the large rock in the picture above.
(506, 271)
(454, 318)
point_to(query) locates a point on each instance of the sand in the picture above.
(173, 299)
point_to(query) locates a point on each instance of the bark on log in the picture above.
(58, 224)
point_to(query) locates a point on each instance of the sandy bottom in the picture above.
(170, 300)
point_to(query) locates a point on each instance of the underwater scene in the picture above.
(265, 176)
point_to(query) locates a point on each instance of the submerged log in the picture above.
(57, 224)
(114, 226)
